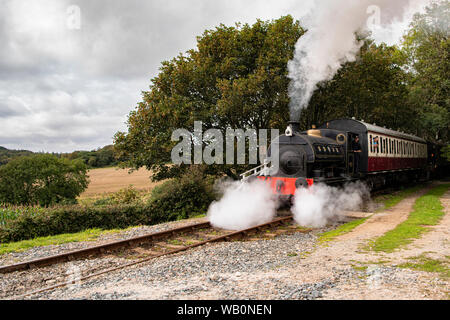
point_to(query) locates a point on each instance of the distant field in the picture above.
(108, 180)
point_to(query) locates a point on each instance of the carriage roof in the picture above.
(358, 126)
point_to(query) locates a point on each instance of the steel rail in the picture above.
(77, 254)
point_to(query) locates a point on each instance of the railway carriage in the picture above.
(325, 155)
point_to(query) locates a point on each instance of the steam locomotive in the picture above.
(327, 155)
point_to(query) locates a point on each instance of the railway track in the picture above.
(142, 249)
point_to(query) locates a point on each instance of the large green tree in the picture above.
(427, 47)
(42, 179)
(236, 78)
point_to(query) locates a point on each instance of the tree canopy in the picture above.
(427, 48)
(237, 78)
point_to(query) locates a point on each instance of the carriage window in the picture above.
(371, 144)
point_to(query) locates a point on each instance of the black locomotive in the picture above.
(331, 155)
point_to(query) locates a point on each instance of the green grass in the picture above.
(427, 212)
(388, 201)
(343, 229)
(359, 268)
(198, 216)
(88, 235)
(174, 242)
(423, 263)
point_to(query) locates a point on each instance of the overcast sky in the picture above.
(64, 88)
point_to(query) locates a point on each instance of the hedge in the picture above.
(173, 200)
(74, 219)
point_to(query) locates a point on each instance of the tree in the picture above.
(42, 179)
(235, 79)
(427, 46)
(372, 88)
(446, 152)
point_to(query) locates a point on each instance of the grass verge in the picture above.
(388, 201)
(427, 212)
(424, 263)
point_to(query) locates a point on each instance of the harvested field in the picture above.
(109, 180)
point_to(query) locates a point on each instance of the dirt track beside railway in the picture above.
(384, 280)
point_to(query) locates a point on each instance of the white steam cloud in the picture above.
(243, 206)
(316, 206)
(330, 40)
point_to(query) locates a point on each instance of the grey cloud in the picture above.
(62, 90)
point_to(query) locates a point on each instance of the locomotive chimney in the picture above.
(295, 126)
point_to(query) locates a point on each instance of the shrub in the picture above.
(183, 197)
(126, 195)
(71, 219)
(42, 179)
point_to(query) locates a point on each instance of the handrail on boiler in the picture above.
(262, 170)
